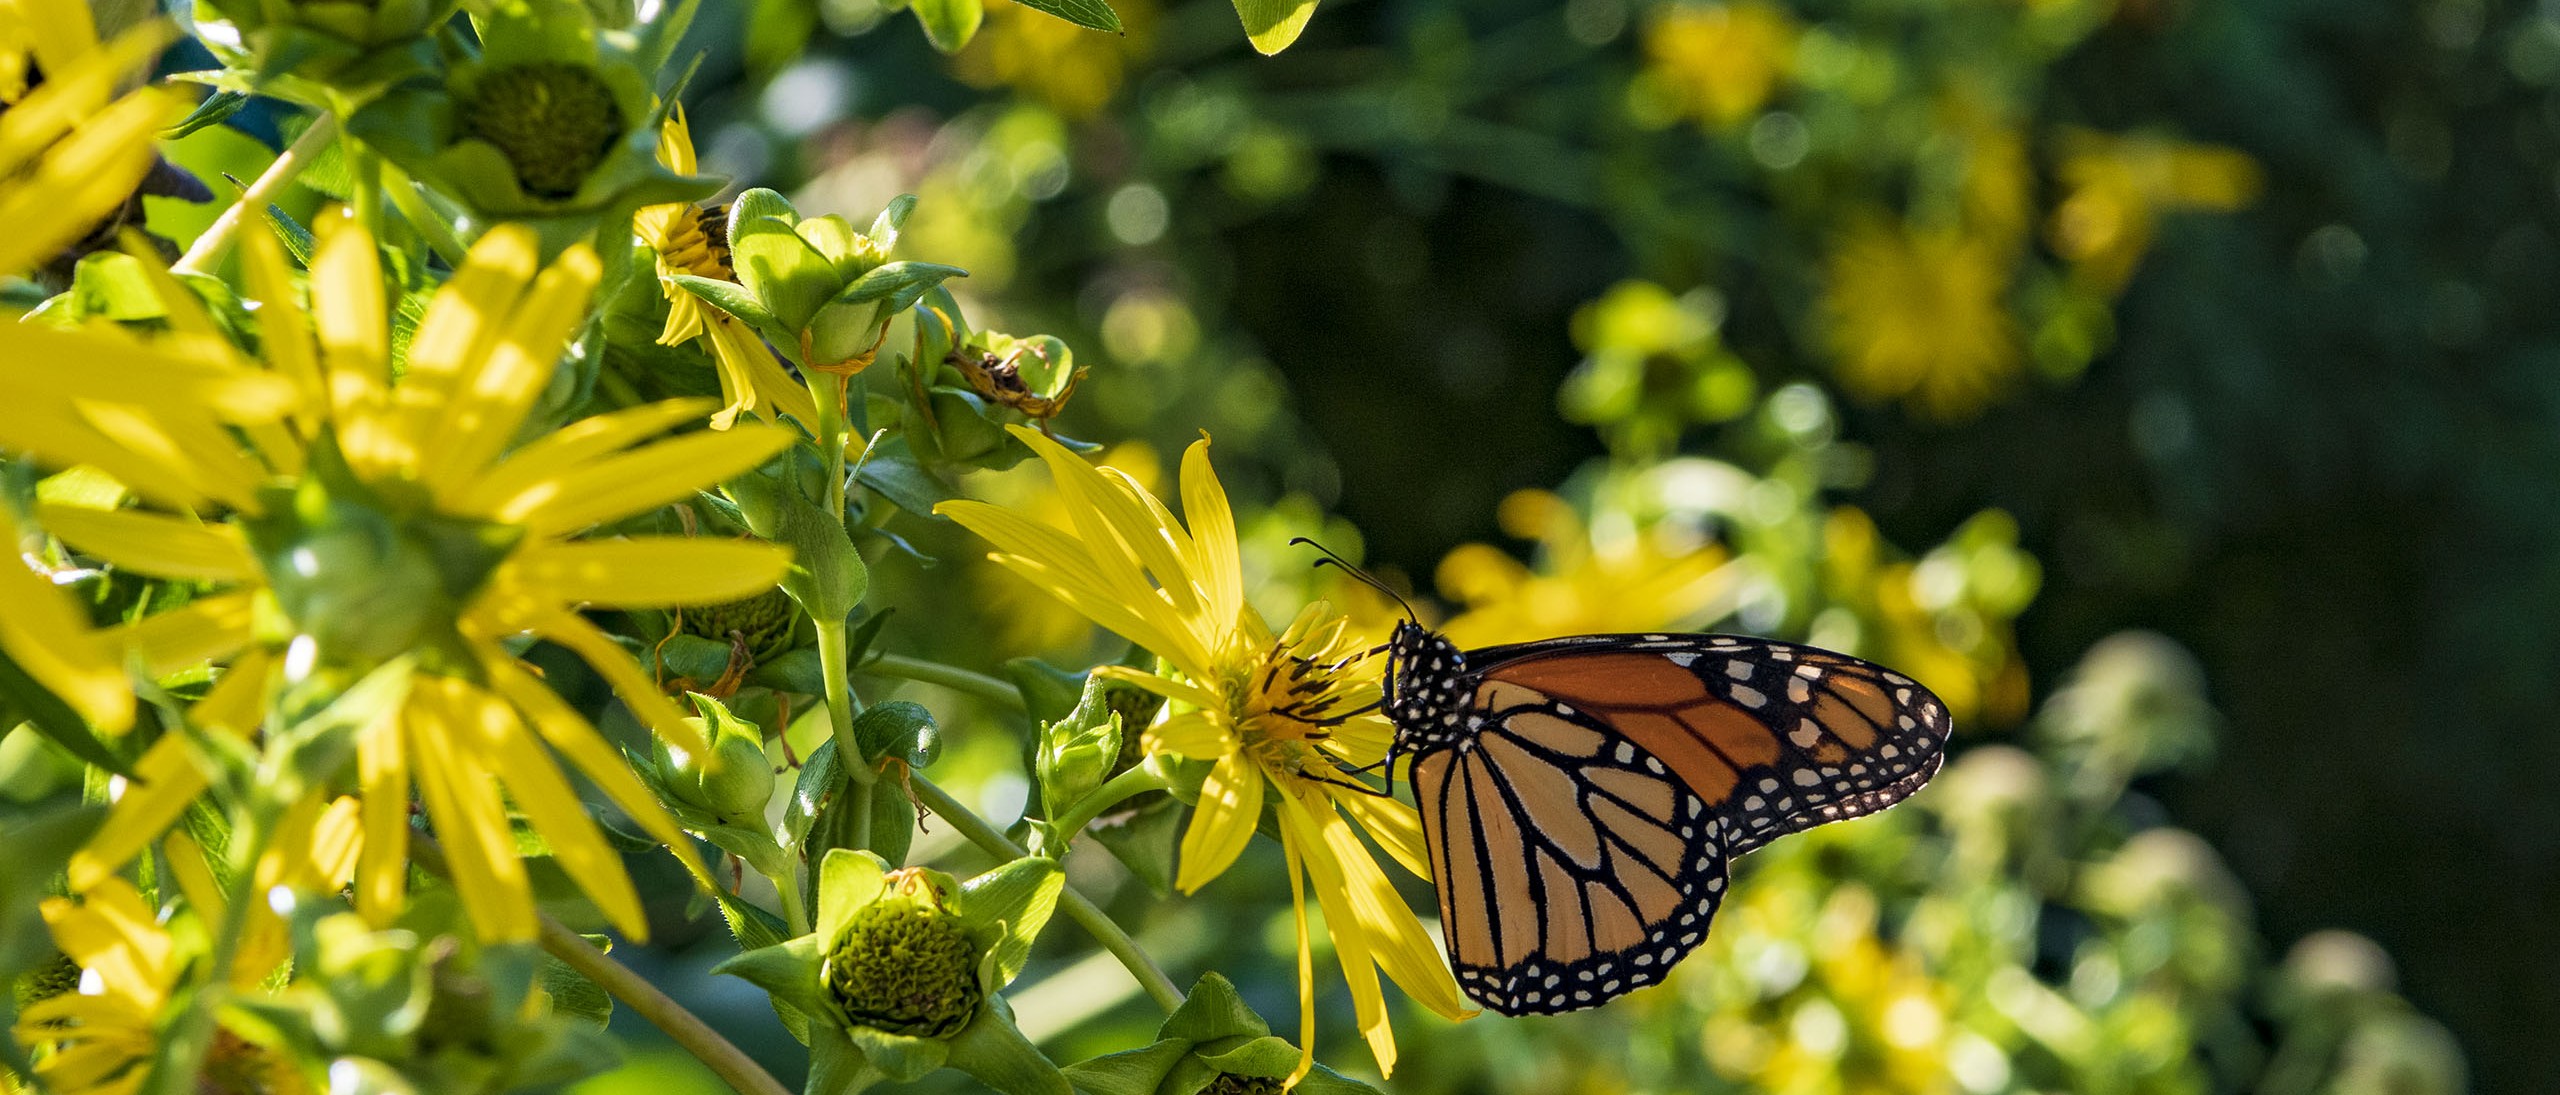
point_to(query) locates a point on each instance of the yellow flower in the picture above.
(689, 239)
(2118, 187)
(1283, 716)
(71, 148)
(387, 520)
(1589, 581)
(1917, 314)
(1721, 62)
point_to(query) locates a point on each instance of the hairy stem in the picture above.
(209, 248)
(1078, 908)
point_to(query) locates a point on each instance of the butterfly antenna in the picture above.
(1356, 572)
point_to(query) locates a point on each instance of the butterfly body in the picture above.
(1582, 797)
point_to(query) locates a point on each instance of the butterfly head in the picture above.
(1428, 691)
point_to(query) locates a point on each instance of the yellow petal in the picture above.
(382, 779)
(463, 322)
(616, 666)
(1390, 932)
(485, 410)
(114, 932)
(165, 781)
(1198, 734)
(633, 482)
(650, 572)
(1343, 922)
(455, 781)
(1213, 533)
(161, 546)
(284, 332)
(1064, 569)
(202, 452)
(188, 635)
(740, 350)
(564, 449)
(1222, 824)
(48, 636)
(353, 324)
(41, 363)
(587, 751)
(546, 800)
(1133, 547)
(1394, 825)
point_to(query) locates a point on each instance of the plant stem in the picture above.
(998, 692)
(1078, 908)
(192, 1036)
(717, 1053)
(403, 193)
(723, 1057)
(1135, 781)
(209, 248)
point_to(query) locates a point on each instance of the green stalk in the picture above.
(1078, 907)
(1135, 781)
(998, 692)
(686, 1029)
(209, 248)
(403, 193)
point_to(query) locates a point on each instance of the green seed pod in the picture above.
(905, 964)
(554, 121)
(763, 622)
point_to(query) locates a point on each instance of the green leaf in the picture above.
(39, 844)
(884, 228)
(900, 729)
(819, 780)
(892, 471)
(1129, 1072)
(893, 822)
(572, 994)
(1143, 839)
(992, 1049)
(949, 24)
(1272, 24)
(731, 297)
(900, 284)
(214, 110)
(787, 971)
(753, 927)
(1021, 895)
(1212, 1011)
(1083, 13)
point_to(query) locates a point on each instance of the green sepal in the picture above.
(893, 216)
(849, 879)
(787, 971)
(1010, 905)
(572, 995)
(782, 268)
(901, 284)
(899, 1057)
(733, 298)
(994, 1050)
(1129, 1072)
(836, 1068)
(214, 110)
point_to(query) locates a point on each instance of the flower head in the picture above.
(1595, 576)
(387, 523)
(1281, 716)
(905, 966)
(691, 240)
(1721, 62)
(1918, 314)
(2119, 187)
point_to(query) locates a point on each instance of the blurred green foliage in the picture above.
(1963, 334)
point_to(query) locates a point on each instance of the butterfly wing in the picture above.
(1581, 836)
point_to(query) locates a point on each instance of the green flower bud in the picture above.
(554, 121)
(905, 964)
(763, 622)
(845, 332)
(731, 784)
(368, 578)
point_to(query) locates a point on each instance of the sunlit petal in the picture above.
(1222, 824)
(166, 547)
(652, 572)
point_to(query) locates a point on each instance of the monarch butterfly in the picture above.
(1581, 797)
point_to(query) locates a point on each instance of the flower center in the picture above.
(47, 981)
(762, 622)
(1229, 1083)
(905, 966)
(554, 121)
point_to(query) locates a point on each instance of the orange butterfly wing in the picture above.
(1581, 832)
